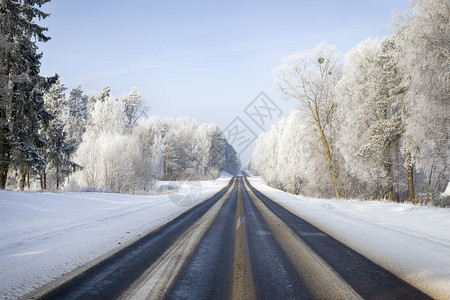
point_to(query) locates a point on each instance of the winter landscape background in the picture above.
(363, 142)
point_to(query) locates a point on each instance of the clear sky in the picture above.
(203, 59)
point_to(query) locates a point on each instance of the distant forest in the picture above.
(50, 139)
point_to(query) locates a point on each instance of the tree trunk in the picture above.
(44, 180)
(345, 188)
(22, 180)
(329, 161)
(411, 197)
(166, 166)
(4, 157)
(390, 188)
(3, 176)
(57, 176)
(380, 192)
(397, 179)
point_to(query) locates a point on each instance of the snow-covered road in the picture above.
(46, 235)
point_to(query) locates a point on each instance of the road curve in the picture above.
(237, 245)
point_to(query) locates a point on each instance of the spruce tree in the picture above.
(58, 147)
(76, 114)
(22, 110)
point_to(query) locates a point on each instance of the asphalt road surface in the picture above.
(237, 245)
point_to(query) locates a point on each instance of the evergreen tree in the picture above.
(22, 110)
(134, 109)
(232, 163)
(76, 114)
(58, 147)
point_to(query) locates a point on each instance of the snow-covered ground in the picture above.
(46, 235)
(412, 242)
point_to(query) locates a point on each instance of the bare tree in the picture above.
(310, 78)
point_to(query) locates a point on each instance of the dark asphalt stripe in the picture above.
(109, 278)
(274, 276)
(365, 277)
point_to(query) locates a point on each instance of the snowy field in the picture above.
(412, 242)
(46, 235)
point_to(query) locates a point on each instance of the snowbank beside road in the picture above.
(46, 235)
(412, 242)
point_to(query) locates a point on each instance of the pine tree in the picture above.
(76, 114)
(134, 109)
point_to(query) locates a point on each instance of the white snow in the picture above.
(412, 242)
(447, 190)
(46, 235)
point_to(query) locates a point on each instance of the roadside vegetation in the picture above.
(374, 125)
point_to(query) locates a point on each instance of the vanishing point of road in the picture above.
(239, 244)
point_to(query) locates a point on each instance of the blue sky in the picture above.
(203, 59)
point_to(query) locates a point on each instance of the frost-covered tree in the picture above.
(75, 114)
(388, 121)
(353, 112)
(310, 78)
(202, 147)
(232, 164)
(382, 138)
(179, 161)
(102, 96)
(106, 119)
(21, 107)
(286, 157)
(133, 109)
(148, 135)
(118, 158)
(216, 151)
(423, 36)
(58, 148)
(368, 116)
